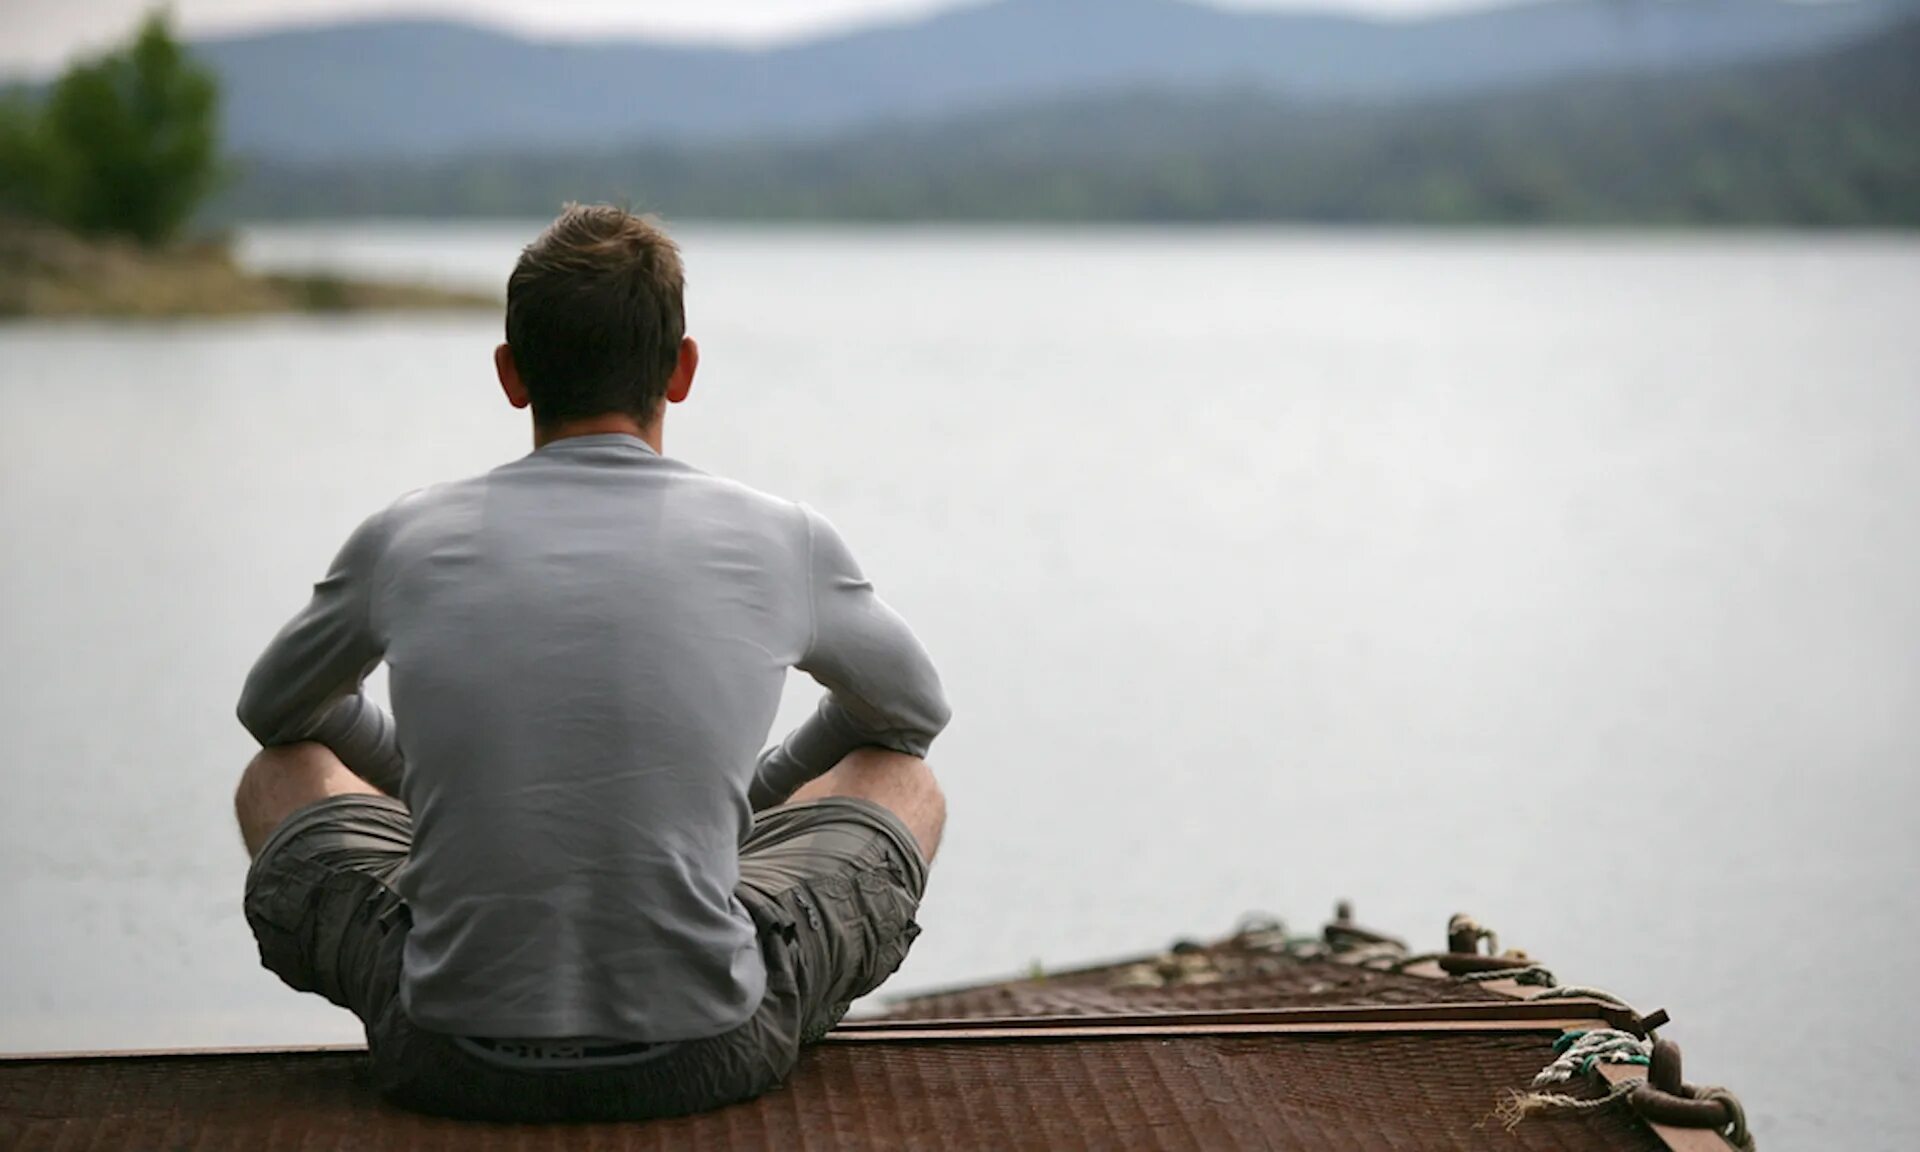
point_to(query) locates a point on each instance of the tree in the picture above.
(23, 157)
(131, 139)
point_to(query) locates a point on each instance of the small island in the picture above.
(99, 180)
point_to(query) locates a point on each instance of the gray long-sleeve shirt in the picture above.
(585, 649)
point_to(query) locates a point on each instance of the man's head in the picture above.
(596, 326)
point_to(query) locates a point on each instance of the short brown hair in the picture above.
(595, 315)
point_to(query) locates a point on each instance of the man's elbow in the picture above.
(256, 714)
(931, 714)
(939, 714)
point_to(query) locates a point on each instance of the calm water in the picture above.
(1569, 581)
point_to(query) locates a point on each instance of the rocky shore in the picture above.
(47, 272)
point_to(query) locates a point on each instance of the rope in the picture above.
(1531, 974)
(1261, 933)
(1580, 992)
(1536, 974)
(1520, 1105)
(1578, 1052)
(1379, 955)
(1736, 1131)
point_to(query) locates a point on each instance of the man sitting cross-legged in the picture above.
(557, 883)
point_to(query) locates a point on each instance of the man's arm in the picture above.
(882, 689)
(306, 685)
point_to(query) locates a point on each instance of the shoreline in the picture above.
(48, 273)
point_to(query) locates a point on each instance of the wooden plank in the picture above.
(172, 1053)
(975, 1031)
(1464, 1011)
(1545, 1026)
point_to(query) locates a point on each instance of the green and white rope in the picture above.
(1577, 1051)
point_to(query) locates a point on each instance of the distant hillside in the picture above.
(390, 89)
(1827, 140)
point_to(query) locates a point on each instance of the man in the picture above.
(557, 883)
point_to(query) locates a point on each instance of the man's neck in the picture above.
(613, 422)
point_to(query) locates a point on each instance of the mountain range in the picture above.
(434, 89)
(1821, 139)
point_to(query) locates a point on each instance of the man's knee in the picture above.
(280, 781)
(928, 797)
(914, 794)
(904, 785)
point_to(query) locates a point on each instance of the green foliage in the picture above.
(319, 293)
(125, 144)
(23, 157)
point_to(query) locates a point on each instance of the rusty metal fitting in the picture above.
(1464, 935)
(1344, 932)
(1463, 957)
(1666, 1098)
(1462, 963)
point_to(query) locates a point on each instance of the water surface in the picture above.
(1567, 580)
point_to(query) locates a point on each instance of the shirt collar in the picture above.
(597, 440)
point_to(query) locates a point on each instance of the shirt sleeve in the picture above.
(882, 689)
(307, 684)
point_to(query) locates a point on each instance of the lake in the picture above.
(1565, 579)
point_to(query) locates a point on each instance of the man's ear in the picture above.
(510, 382)
(681, 382)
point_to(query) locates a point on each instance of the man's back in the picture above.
(586, 648)
(556, 884)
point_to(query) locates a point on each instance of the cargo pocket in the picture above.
(830, 949)
(321, 930)
(776, 926)
(281, 905)
(855, 932)
(888, 912)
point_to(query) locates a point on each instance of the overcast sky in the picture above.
(39, 35)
